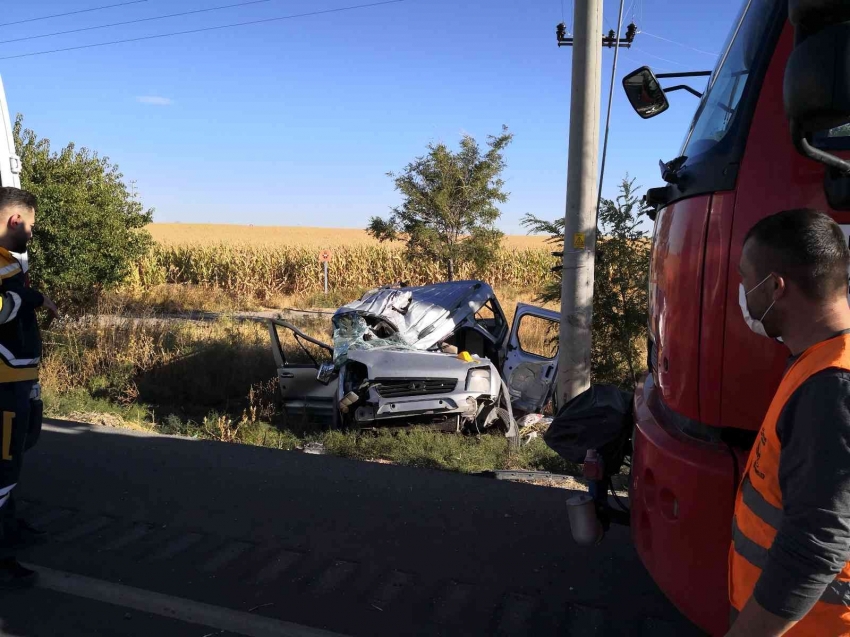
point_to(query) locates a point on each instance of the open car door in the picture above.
(298, 358)
(531, 359)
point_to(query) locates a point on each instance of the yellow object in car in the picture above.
(466, 357)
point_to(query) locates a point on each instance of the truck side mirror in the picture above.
(816, 93)
(809, 16)
(816, 89)
(645, 93)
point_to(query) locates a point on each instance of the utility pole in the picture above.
(580, 219)
(582, 206)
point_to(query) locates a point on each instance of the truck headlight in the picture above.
(478, 380)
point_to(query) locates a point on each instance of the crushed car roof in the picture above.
(421, 316)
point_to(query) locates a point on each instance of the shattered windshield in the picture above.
(352, 333)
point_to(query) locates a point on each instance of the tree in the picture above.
(89, 229)
(449, 208)
(621, 285)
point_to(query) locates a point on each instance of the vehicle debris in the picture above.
(440, 355)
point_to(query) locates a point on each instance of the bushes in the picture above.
(89, 228)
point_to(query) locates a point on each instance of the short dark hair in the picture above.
(805, 246)
(10, 196)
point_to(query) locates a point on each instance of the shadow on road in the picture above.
(353, 547)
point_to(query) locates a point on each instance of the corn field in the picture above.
(264, 271)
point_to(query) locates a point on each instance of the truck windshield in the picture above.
(717, 109)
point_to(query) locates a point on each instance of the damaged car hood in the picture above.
(390, 363)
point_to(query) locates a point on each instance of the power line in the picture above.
(608, 115)
(634, 48)
(136, 21)
(687, 46)
(659, 69)
(224, 26)
(61, 15)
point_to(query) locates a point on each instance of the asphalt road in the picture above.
(166, 536)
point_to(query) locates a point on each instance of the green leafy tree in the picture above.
(89, 229)
(449, 206)
(621, 285)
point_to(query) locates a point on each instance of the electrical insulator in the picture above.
(561, 30)
(631, 31)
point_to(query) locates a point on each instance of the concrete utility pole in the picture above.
(580, 226)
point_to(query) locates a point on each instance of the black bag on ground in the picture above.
(601, 419)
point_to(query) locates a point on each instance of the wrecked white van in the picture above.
(439, 355)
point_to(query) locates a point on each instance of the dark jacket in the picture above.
(20, 337)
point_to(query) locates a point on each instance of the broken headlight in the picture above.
(478, 380)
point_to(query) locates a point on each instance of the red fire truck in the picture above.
(768, 135)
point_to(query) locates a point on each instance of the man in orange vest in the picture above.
(788, 564)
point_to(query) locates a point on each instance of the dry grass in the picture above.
(173, 234)
(216, 381)
(177, 367)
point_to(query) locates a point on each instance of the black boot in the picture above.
(14, 576)
(23, 535)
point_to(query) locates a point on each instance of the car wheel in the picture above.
(493, 419)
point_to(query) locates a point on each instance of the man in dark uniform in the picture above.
(20, 355)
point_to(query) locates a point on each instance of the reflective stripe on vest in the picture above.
(838, 592)
(758, 505)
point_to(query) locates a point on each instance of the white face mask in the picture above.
(755, 325)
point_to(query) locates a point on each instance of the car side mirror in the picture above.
(645, 93)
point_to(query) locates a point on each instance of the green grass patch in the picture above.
(417, 447)
(79, 403)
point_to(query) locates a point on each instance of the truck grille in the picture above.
(398, 387)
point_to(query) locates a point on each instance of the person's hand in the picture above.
(50, 306)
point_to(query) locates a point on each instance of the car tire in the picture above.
(494, 418)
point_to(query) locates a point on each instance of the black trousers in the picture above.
(20, 427)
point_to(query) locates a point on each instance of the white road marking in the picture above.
(186, 610)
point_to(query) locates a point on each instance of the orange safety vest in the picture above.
(758, 505)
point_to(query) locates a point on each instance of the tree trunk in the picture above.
(450, 269)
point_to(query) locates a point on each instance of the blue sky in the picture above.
(296, 122)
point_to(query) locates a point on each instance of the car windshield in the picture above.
(717, 109)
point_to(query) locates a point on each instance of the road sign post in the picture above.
(325, 258)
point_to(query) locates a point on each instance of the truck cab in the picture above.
(710, 378)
